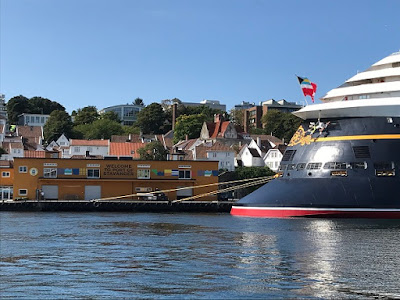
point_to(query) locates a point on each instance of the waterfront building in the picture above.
(84, 179)
(127, 113)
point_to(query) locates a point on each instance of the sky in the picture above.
(109, 52)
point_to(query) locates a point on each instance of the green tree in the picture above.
(291, 123)
(110, 115)
(151, 119)
(2, 151)
(39, 105)
(86, 115)
(273, 123)
(237, 116)
(99, 129)
(251, 172)
(130, 130)
(138, 101)
(153, 151)
(188, 125)
(35, 105)
(58, 123)
(280, 124)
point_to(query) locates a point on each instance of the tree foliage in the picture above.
(151, 119)
(237, 116)
(58, 123)
(138, 101)
(86, 115)
(99, 129)
(153, 151)
(280, 124)
(110, 115)
(188, 125)
(35, 105)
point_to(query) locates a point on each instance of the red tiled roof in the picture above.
(34, 154)
(134, 138)
(224, 126)
(6, 164)
(74, 142)
(217, 129)
(126, 149)
(29, 131)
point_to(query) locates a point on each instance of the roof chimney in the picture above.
(246, 121)
(174, 113)
(259, 142)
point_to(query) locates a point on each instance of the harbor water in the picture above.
(65, 255)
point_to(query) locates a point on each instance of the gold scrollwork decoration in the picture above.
(300, 137)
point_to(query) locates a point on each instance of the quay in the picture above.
(117, 206)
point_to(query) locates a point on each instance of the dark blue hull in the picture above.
(352, 165)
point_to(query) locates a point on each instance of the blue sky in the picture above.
(102, 53)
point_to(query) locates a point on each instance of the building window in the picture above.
(50, 173)
(22, 192)
(185, 174)
(77, 149)
(5, 174)
(23, 169)
(93, 173)
(143, 173)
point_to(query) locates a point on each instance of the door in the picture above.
(92, 192)
(50, 192)
(180, 194)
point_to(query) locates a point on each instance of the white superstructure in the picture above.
(372, 93)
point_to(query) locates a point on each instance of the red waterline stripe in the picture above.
(276, 212)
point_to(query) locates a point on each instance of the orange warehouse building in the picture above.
(86, 179)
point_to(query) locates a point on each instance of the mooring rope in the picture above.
(188, 187)
(248, 184)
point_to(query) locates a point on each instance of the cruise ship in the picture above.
(344, 160)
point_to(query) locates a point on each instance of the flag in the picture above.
(309, 88)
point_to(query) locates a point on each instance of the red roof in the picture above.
(126, 149)
(217, 129)
(34, 154)
(30, 131)
(74, 142)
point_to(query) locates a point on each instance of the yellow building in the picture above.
(85, 179)
(6, 180)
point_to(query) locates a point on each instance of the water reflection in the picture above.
(62, 256)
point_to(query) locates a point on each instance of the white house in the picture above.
(251, 155)
(273, 158)
(14, 148)
(32, 119)
(225, 155)
(62, 144)
(88, 147)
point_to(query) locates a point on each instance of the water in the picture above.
(187, 256)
